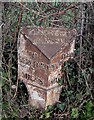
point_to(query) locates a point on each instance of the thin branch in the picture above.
(19, 21)
(60, 12)
(81, 38)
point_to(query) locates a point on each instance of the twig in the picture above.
(35, 12)
(58, 13)
(19, 21)
(81, 38)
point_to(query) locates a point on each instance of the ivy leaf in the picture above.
(89, 106)
(61, 106)
(74, 113)
(47, 115)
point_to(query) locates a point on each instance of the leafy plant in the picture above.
(74, 113)
(77, 95)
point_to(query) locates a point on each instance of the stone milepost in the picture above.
(41, 54)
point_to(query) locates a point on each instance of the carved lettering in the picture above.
(33, 55)
(27, 76)
(33, 78)
(49, 36)
(33, 63)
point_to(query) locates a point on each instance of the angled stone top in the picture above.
(49, 50)
(49, 40)
(50, 35)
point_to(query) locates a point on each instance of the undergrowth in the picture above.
(77, 97)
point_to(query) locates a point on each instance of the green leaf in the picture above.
(41, 116)
(61, 106)
(70, 92)
(5, 105)
(89, 106)
(47, 115)
(78, 96)
(74, 113)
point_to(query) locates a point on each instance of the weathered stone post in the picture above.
(41, 53)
